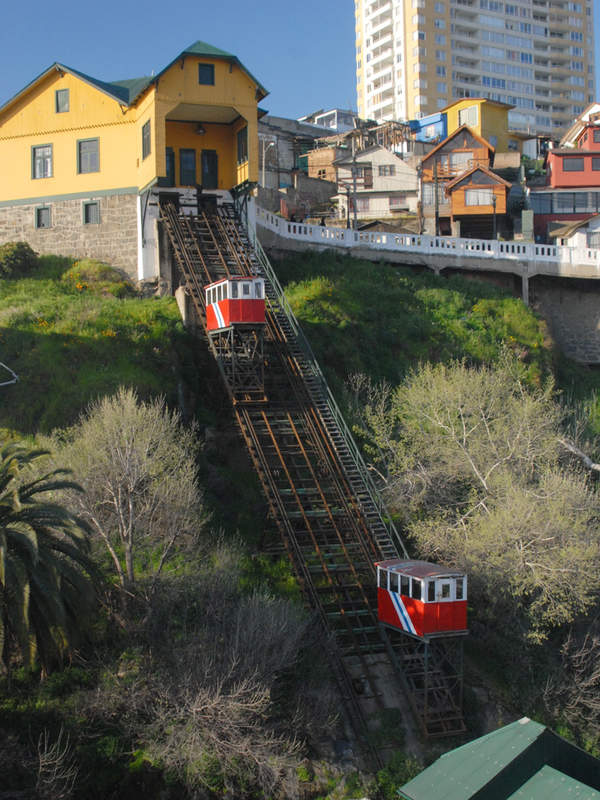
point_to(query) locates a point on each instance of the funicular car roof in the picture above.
(419, 569)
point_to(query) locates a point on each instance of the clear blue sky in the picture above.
(302, 52)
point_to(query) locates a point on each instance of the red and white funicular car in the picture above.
(421, 598)
(235, 300)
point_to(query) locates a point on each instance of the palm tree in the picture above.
(45, 585)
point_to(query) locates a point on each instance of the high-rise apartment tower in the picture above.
(414, 57)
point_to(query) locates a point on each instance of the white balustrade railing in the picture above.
(542, 254)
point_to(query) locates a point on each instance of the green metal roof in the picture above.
(550, 784)
(462, 772)
(522, 760)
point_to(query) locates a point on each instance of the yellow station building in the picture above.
(82, 160)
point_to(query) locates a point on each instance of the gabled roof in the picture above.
(126, 92)
(504, 762)
(455, 133)
(477, 168)
(565, 229)
(349, 159)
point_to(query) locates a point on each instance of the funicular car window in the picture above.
(258, 289)
(404, 585)
(246, 288)
(416, 589)
(445, 591)
(394, 582)
(382, 579)
(430, 591)
(234, 289)
(459, 588)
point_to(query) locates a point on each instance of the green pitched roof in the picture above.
(551, 784)
(462, 772)
(522, 760)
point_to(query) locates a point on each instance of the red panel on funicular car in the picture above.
(248, 310)
(420, 617)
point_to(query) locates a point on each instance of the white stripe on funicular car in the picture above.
(219, 315)
(405, 619)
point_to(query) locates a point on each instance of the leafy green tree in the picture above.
(45, 584)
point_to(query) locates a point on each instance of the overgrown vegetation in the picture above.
(199, 675)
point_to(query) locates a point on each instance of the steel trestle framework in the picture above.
(332, 521)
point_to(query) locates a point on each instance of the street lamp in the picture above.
(264, 149)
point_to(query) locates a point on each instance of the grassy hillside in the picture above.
(383, 319)
(72, 334)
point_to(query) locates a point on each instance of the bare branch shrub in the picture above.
(572, 694)
(56, 770)
(218, 692)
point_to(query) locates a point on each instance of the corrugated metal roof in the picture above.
(462, 772)
(550, 784)
(418, 569)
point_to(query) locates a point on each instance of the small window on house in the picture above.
(386, 169)
(595, 163)
(572, 164)
(234, 290)
(415, 589)
(479, 197)
(404, 585)
(242, 145)
(145, 140)
(41, 161)
(596, 135)
(88, 155)
(91, 213)
(42, 217)
(206, 74)
(61, 100)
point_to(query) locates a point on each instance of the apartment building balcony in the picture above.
(382, 71)
(378, 7)
(461, 17)
(381, 86)
(383, 39)
(382, 22)
(465, 47)
(464, 33)
(537, 4)
(465, 3)
(383, 101)
(386, 59)
(468, 80)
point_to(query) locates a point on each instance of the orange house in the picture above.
(478, 200)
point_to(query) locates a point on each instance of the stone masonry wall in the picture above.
(571, 308)
(113, 240)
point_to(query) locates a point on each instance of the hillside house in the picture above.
(385, 184)
(478, 202)
(84, 159)
(489, 119)
(572, 188)
(457, 154)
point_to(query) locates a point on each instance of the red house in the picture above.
(572, 189)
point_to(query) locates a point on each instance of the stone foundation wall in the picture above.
(113, 240)
(572, 310)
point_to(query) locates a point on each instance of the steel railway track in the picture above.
(330, 517)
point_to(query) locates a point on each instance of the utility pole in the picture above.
(355, 223)
(348, 207)
(437, 202)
